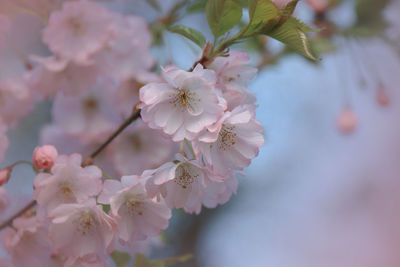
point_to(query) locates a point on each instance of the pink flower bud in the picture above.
(44, 157)
(4, 199)
(5, 175)
(382, 97)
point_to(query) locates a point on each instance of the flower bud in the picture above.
(5, 175)
(347, 121)
(44, 157)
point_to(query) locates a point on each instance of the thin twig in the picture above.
(16, 215)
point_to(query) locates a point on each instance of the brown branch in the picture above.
(16, 215)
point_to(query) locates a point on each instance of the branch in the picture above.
(16, 215)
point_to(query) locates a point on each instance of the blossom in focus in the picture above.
(28, 243)
(184, 104)
(44, 157)
(67, 182)
(218, 193)
(78, 30)
(232, 142)
(138, 216)
(82, 229)
(181, 184)
(140, 148)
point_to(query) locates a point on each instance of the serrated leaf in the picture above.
(121, 259)
(260, 13)
(222, 15)
(292, 35)
(192, 34)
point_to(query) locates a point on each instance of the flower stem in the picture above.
(16, 215)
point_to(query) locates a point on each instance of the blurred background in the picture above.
(325, 189)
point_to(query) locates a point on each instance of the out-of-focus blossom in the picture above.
(44, 157)
(138, 216)
(4, 199)
(91, 260)
(41, 8)
(28, 244)
(90, 117)
(128, 50)
(5, 175)
(16, 100)
(68, 182)
(79, 230)
(78, 30)
(218, 193)
(319, 6)
(184, 105)
(127, 93)
(141, 148)
(55, 75)
(232, 142)
(382, 97)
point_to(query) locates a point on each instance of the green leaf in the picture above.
(222, 15)
(198, 6)
(141, 261)
(292, 35)
(287, 11)
(192, 34)
(261, 12)
(121, 259)
(368, 11)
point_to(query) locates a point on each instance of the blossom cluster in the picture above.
(197, 131)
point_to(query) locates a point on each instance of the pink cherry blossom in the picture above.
(319, 6)
(138, 216)
(78, 30)
(44, 157)
(218, 193)
(55, 75)
(3, 140)
(67, 182)
(233, 72)
(5, 175)
(16, 100)
(4, 199)
(232, 142)
(181, 184)
(346, 121)
(140, 148)
(41, 8)
(90, 260)
(184, 105)
(28, 244)
(91, 116)
(128, 50)
(81, 229)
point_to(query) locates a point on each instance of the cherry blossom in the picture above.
(41, 8)
(127, 52)
(218, 193)
(137, 215)
(54, 75)
(319, 6)
(90, 116)
(140, 148)
(78, 30)
(181, 184)
(28, 244)
(183, 105)
(5, 175)
(90, 260)
(67, 182)
(16, 100)
(232, 142)
(81, 230)
(4, 28)
(44, 157)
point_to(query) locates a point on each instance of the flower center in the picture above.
(226, 137)
(184, 99)
(183, 176)
(65, 189)
(133, 205)
(86, 223)
(77, 27)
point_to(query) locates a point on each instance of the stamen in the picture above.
(226, 137)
